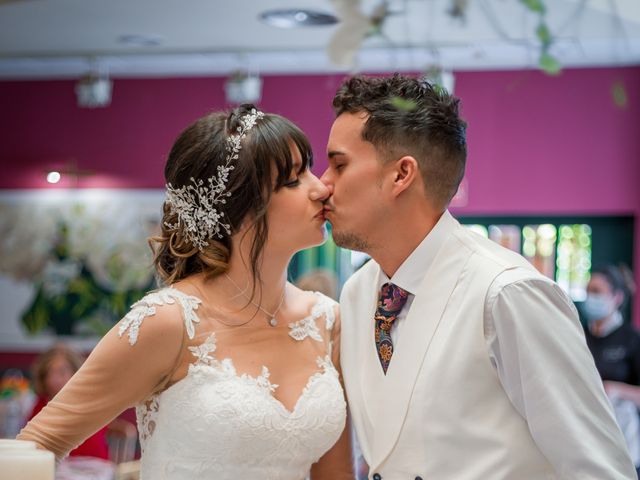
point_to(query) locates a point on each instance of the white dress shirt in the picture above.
(530, 332)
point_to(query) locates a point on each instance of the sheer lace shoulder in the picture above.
(116, 376)
(324, 307)
(147, 307)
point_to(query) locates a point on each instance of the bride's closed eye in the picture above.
(292, 183)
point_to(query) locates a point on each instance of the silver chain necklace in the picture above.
(271, 316)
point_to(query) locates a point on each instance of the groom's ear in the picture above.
(406, 172)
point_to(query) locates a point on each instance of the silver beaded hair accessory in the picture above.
(198, 205)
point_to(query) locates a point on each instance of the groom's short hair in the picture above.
(408, 116)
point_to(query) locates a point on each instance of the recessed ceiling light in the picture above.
(53, 177)
(297, 18)
(141, 40)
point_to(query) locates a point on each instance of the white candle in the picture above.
(26, 464)
(6, 443)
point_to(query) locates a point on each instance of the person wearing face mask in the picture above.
(615, 345)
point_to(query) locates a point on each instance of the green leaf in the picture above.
(440, 90)
(543, 34)
(534, 5)
(119, 302)
(57, 303)
(375, 30)
(36, 318)
(77, 310)
(403, 104)
(549, 64)
(619, 94)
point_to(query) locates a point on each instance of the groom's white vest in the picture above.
(440, 412)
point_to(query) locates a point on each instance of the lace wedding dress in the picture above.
(222, 419)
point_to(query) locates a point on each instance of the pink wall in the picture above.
(537, 144)
(541, 144)
(126, 144)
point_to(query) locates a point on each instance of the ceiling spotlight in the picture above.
(93, 91)
(242, 87)
(297, 18)
(53, 177)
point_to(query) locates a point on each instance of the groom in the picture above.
(460, 361)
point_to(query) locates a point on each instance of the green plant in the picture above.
(547, 62)
(69, 298)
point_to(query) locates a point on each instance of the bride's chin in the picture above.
(319, 238)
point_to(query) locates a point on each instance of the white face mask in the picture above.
(597, 307)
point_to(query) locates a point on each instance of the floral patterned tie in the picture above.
(390, 302)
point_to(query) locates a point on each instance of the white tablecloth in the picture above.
(85, 468)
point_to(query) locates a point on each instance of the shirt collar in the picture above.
(410, 274)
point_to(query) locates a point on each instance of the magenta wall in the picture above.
(542, 144)
(537, 144)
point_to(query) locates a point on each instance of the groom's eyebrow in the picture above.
(334, 153)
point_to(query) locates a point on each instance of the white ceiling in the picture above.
(67, 38)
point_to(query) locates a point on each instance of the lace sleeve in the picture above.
(117, 375)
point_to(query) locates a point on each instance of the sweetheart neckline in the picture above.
(227, 367)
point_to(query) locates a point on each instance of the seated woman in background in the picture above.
(615, 346)
(51, 371)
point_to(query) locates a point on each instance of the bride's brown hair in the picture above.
(264, 165)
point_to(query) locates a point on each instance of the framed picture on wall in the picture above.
(73, 261)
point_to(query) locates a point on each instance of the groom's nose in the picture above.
(327, 179)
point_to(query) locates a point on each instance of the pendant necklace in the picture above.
(271, 316)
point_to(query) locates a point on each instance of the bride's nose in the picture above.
(318, 190)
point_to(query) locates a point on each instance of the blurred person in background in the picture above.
(615, 345)
(319, 280)
(51, 371)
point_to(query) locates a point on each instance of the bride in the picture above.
(234, 372)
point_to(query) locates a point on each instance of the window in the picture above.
(573, 265)
(562, 248)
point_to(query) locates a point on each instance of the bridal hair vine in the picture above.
(198, 205)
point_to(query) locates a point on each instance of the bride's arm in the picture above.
(116, 376)
(337, 463)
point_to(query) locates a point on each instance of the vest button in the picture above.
(377, 476)
(418, 477)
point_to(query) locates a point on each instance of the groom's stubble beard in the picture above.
(350, 241)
